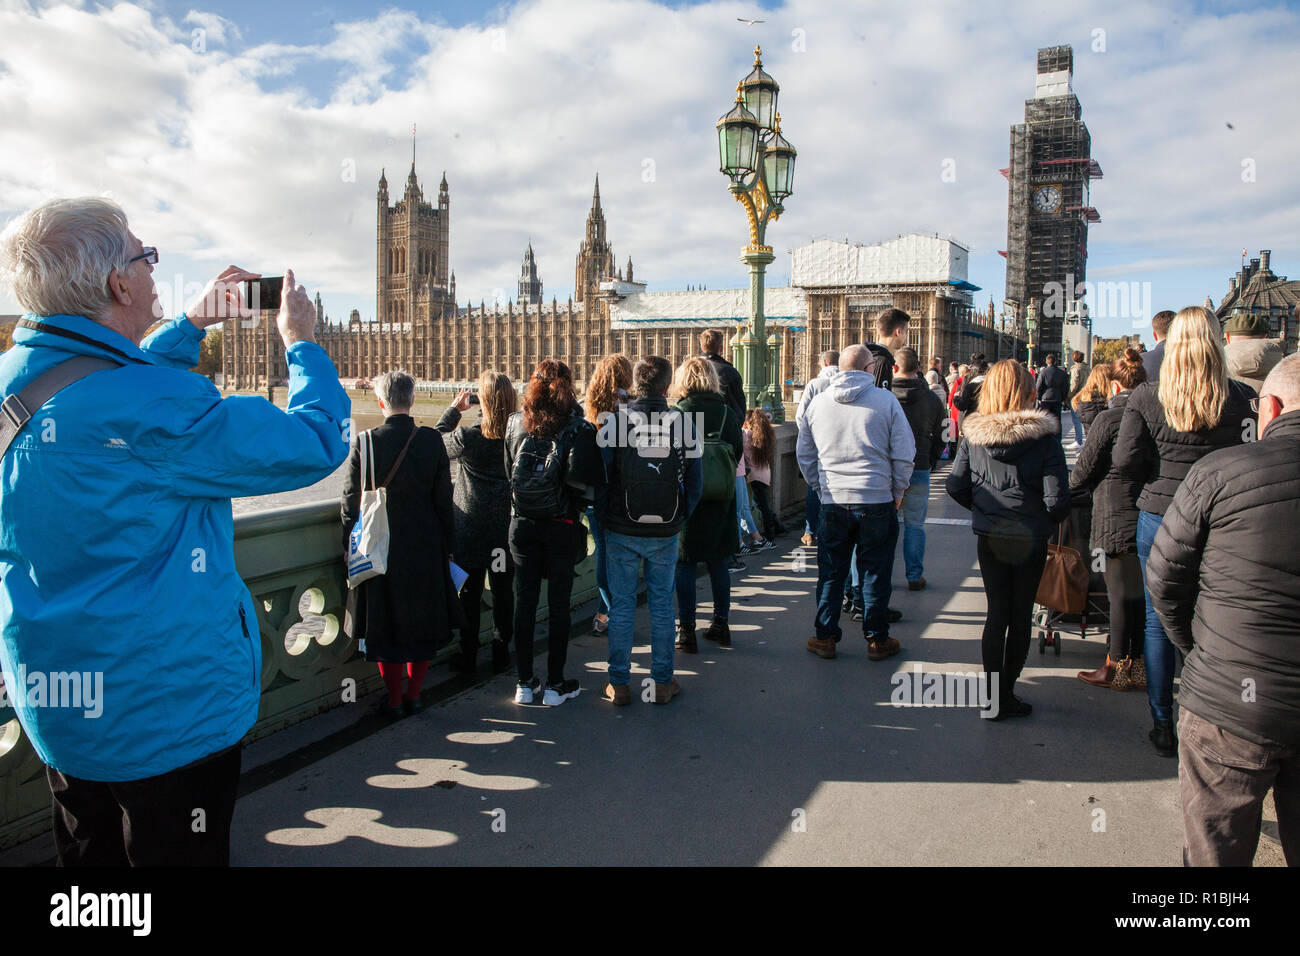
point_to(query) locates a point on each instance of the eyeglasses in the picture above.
(150, 255)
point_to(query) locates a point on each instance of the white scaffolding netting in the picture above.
(914, 258)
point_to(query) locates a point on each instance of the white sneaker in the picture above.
(557, 694)
(524, 692)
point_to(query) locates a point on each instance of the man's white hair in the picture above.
(56, 258)
(1283, 382)
(396, 389)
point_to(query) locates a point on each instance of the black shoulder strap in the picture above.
(18, 409)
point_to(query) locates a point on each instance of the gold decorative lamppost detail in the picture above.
(759, 161)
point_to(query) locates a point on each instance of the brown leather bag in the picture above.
(1064, 585)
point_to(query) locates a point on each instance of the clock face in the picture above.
(1047, 198)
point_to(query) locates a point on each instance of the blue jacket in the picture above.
(117, 544)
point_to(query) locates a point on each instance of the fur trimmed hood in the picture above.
(1003, 429)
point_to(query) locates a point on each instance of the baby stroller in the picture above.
(1049, 621)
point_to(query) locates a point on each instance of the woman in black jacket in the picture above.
(1167, 427)
(401, 618)
(1114, 529)
(481, 498)
(968, 400)
(559, 469)
(1010, 472)
(1094, 397)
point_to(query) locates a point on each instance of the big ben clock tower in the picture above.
(1048, 206)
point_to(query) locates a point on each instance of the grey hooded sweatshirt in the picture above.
(857, 447)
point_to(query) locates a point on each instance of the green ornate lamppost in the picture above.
(760, 163)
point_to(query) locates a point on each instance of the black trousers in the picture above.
(1011, 569)
(503, 607)
(178, 818)
(1128, 605)
(763, 499)
(543, 550)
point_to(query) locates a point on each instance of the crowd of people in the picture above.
(1191, 471)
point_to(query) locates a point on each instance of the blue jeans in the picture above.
(1158, 650)
(602, 576)
(719, 580)
(869, 532)
(812, 506)
(744, 517)
(916, 504)
(624, 554)
(1078, 425)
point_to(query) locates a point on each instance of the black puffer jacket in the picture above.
(1154, 452)
(480, 492)
(1010, 472)
(1224, 575)
(1088, 412)
(733, 389)
(1114, 495)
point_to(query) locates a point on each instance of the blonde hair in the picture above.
(1008, 387)
(696, 374)
(613, 373)
(963, 371)
(1097, 388)
(1193, 386)
(498, 399)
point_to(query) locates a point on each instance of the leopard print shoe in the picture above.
(1123, 675)
(1139, 674)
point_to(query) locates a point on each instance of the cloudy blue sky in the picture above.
(254, 133)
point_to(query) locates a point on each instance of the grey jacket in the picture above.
(856, 446)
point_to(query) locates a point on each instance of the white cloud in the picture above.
(236, 154)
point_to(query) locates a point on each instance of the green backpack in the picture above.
(719, 466)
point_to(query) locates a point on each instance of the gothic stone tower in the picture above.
(595, 254)
(1048, 207)
(530, 283)
(413, 282)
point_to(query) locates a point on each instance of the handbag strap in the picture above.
(398, 464)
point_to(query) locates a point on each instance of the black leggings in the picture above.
(763, 498)
(1011, 569)
(503, 606)
(1128, 606)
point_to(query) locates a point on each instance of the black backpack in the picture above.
(651, 469)
(537, 486)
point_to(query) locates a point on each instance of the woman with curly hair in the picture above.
(554, 467)
(605, 392)
(760, 450)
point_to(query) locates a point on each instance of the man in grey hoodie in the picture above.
(857, 450)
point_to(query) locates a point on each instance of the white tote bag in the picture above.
(368, 542)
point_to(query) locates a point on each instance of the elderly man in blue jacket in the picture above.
(117, 541)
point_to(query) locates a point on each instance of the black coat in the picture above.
(968, 400)
(480, 493)
(1053, 384)
(711, 532)
(733, 389)
(408, 613)
(1224, 577)
(1151, 450)
(1114, 495)
(926, 415)
(1152, 360)
(1088, 412)
(1010, 472)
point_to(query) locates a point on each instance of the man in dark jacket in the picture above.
(1159, 330)
(1229, 597)
(733, 389)
(655, 481)
(891, 335)
(1053, 386)
(926, 415)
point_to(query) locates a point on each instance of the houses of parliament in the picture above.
(420, 329)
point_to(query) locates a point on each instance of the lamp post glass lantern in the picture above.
(759, 161)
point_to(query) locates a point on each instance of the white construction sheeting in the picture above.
(826, 263)
(782, 305)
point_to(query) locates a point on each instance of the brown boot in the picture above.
(1102, 677)
(686, 639)
(618, 696)
(718, 631)
(822, 647)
